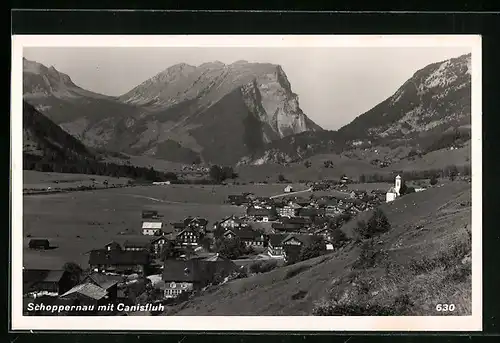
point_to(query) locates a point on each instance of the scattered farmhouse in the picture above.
(150, 214)
(40, 244)
(288, 189)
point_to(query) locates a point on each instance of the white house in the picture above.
(393, 192)
(288, 189)
(152, 228)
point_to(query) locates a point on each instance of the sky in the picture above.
(334, 84)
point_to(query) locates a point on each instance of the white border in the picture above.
(240, 323)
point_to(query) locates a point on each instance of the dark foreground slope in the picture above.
(424, 259)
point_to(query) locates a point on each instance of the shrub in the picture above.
(433, 181)
(367, 257)
(263, 266)
(296, 271)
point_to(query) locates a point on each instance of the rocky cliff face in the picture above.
(265, 90)
(215, 113)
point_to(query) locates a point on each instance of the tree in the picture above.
(452, 172)
(307, 164)
(314, 249)
(378, 223)
(362, 178)
(281, 178)
(339, 238)
(74, 270)
(433, 181)
(216, 173)
(231, 248)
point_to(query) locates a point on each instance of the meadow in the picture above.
(40, 180)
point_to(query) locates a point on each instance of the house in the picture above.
(119, 260)
(309, 212)
(136, 245)
(262, 214)
(289, 210)
(288, 189)
(325, 232)
(248, 236)
(419, 189)
(230, 223)
(157, 244)
(293, 244)
(189, 237)
(344, 180)
(152, 228)
(37, 243)
(186, 276)
(149, 214)
(46, 282)
(112, 246)
(393, 192)
(275, 245)
(237, 200)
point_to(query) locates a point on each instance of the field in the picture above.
(423, 259)
(77, 222)
(39, 180)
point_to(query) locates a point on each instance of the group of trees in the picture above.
(451, 172)
(77, 165)
(231, 248)
(377, 224)
(220, 174)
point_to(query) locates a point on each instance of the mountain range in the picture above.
(214, 113)
(244, 113)
(435, 101)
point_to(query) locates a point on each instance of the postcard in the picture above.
(246, 183)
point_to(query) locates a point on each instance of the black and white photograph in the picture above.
(247, 181)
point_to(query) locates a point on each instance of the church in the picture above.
(393, 192)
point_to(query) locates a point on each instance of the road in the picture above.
(291, 193)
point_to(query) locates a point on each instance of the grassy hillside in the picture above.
(423, 260)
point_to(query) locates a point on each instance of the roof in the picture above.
(104, 281)
(252, 211)
(118, 257)
(391, 190)
(152, 225)
(304, 239)
(216, 258)
(87, 289)
(33, 276)
(39, 241)
(247, 233)
(137, 242)
(276, 239)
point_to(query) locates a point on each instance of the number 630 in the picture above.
(445, 307)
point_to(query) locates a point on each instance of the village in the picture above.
(170, 261)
